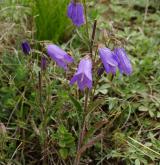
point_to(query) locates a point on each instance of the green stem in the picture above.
(94, 89)
(85, 11)
(86, 101)
(82, 133)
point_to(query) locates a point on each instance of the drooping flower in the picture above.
(43, 63)
(100, 71)
(83, 76)
(26, 47)
(75, 12)
(123, 61)
(107, 57)
(59, 56)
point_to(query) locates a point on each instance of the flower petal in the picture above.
(26, 47)
(74, 79)
(108, 60)
(107, 56)
(75, 12)
(59, 55)
(83, 75)
(123, 61)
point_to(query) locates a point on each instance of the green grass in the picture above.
(50, 20)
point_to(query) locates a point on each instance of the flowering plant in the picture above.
(88, 72)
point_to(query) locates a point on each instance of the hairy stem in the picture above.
(83, 131)
(93, 36)
(85, 11)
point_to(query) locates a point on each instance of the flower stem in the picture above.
(85, 11)
(94, 89)
(93, 36)
(40, 87)
(83, 130)
(86, 100)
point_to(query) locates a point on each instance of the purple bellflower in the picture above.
(26, 47)
(100, 71)
(43, 63)
(75, 12)
(123, 61)
(83, 76)
(59, 56)
(107, 57)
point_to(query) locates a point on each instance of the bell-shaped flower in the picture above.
(100, 71)
(43, 63)
(75, 12)
(83, 76)
(123, 61)
(59, 56)
(107, 57)
(26, 47)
